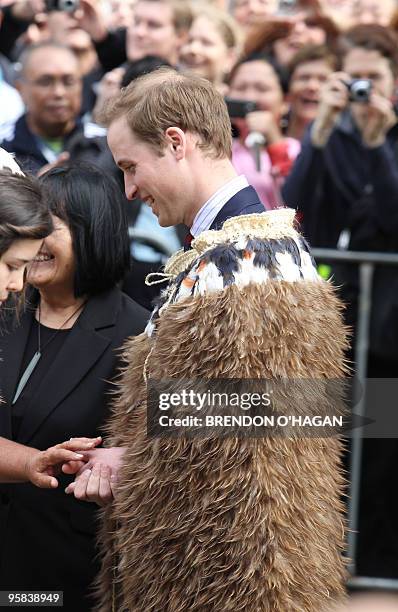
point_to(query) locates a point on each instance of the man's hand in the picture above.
(333, 100)
(90, 17)
(112, 457)
(42, 466)
(94, 485)
(95, 480)
(378, 119)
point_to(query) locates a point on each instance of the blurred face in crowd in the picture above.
(149, 175)
(54, 265)
(372, 11)
(362, 63)
(152, 32)
(305, 86)
(120, 13)
(304, 31)
(13, 264)
(51, 90)
(339, 10)
(258, 81)
(206, 52)
(250, 12)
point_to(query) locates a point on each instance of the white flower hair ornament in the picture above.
(7, 161)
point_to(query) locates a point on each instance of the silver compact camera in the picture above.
(67, 6)
(286, 7)
(359, 90)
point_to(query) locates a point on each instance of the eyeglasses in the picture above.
(48, 82)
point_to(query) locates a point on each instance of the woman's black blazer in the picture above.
(47, 537)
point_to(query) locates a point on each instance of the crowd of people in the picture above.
(310, 87)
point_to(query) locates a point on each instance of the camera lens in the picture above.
(360, 90)
(68, 5)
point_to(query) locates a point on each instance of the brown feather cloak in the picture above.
(236, 524)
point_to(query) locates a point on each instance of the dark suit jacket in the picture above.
(24, 145)
(47, 537)
(245, 202)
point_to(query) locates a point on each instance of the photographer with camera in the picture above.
(345, 183)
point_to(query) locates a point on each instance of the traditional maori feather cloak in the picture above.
(237, 524)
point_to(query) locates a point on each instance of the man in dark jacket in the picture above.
(51, 87)
(345, 183)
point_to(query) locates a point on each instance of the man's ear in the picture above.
(176, 141)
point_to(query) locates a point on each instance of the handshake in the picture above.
(95, 469)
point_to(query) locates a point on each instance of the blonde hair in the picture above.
(165, 98)
(225, 24)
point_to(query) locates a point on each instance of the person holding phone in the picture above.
(261, 151)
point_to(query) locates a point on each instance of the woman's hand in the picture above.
(42, 466)
(264, 122)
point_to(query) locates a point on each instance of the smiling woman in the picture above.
(213, 45)
(60, 357)
(24, 222)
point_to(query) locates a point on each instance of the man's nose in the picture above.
(366, 17)
(193, 46)
(59, 88)
(130, 189)
(255, 7)
(140, 29)
(314, 84)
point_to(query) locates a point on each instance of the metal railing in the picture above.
(367, 262)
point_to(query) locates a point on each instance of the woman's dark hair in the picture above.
(91, 204)
(258, 57)
(23, 210)
(145, 65)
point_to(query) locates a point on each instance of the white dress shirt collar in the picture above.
(212, 207)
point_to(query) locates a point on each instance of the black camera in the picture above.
(359, 90)
(67, 6)
(238, 109)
